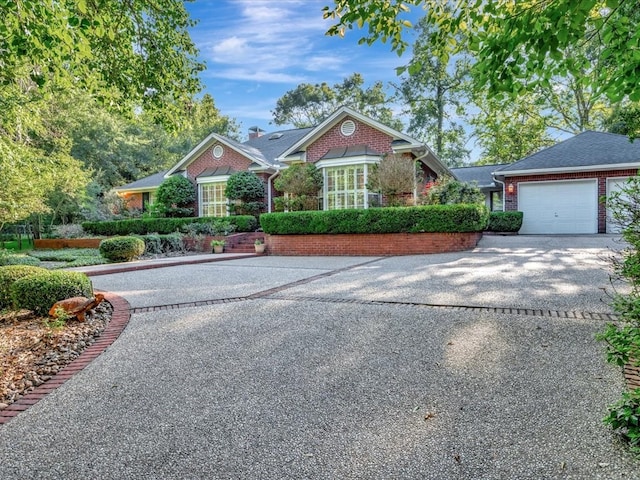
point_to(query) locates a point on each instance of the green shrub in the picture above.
(9, 275)
(155, 244)
(505, 221)
(175, 197)
(431, 218)
(145, 226)
(447, 191)
(624, 415)
(121, 249)
(38, 292)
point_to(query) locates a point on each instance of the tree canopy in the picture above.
(517, 44)
(308, 105)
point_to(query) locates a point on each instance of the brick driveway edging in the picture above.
(119, 320)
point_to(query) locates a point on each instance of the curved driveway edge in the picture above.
(119, 320)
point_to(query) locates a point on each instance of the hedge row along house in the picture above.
(559, 189)
(343, 147)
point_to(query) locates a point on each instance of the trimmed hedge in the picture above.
(156, 244)
(122, 249)
(38, 292)
(429, 218)
(144, 226)
(11, 274)
(505, 221)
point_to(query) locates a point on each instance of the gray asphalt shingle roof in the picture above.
(585, 149)
(479, 174)
(151, 181)
(271, 145)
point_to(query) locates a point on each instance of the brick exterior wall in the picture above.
(230, 158)
(364, 135)
(511, 199)
(371, 244)
(134, 200)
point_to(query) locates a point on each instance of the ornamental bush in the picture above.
(505, 221)
(145, 226)
(39, 291)
(9, 275)
(175, 197)
(121, 249)
(430, 218)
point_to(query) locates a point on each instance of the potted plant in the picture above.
(259, 246)
(218, 246)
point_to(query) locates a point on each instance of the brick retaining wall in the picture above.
(371, 243)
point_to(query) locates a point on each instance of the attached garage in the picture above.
(559, 207)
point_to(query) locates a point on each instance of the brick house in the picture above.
(559, 189)
(344, 146)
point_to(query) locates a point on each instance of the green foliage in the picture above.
(155, 244)
(433, 218)
(510, 40)
(8, 258)
(447, 191)
(175, 197)
(624, 415)
(38, 292)
(505, 221)
(248, 190)
(9, 275)
(394, 176)
(622, 338)
(435, 94)
(144, 226)
(308, 105)
(301, 183)
(121, 249)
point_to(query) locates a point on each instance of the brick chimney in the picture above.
(255, 132)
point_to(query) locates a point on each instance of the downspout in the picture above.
(269, 188)
(504, 193)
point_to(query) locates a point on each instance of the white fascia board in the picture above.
(341, 162)
(582, 168)
(202, 147)
(333, 118)
(300, 157)
(216, 179)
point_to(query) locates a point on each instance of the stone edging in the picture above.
(119, 320)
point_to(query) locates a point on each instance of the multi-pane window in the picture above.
(214, 203)
(346, 187)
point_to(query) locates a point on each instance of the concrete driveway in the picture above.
(473, 365)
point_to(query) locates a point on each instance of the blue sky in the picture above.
(257, 50)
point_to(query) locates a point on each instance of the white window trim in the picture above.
(205, 181)
(325, 189)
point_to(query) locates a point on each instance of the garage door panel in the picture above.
(559, 207)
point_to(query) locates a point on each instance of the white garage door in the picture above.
(559, 207)
(614, 185)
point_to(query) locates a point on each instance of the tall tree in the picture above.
(509, 131)
(129, 54)
(435, 94)
(308, 105)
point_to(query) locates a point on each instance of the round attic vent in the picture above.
(347, 128)
(218, 151)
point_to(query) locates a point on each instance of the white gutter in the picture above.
(269, 189)
(504, 193)
(582, 168)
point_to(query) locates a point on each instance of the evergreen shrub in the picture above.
(9, 275)
(39, 291)
(505, 221)
(121, 249)
(429, 218)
